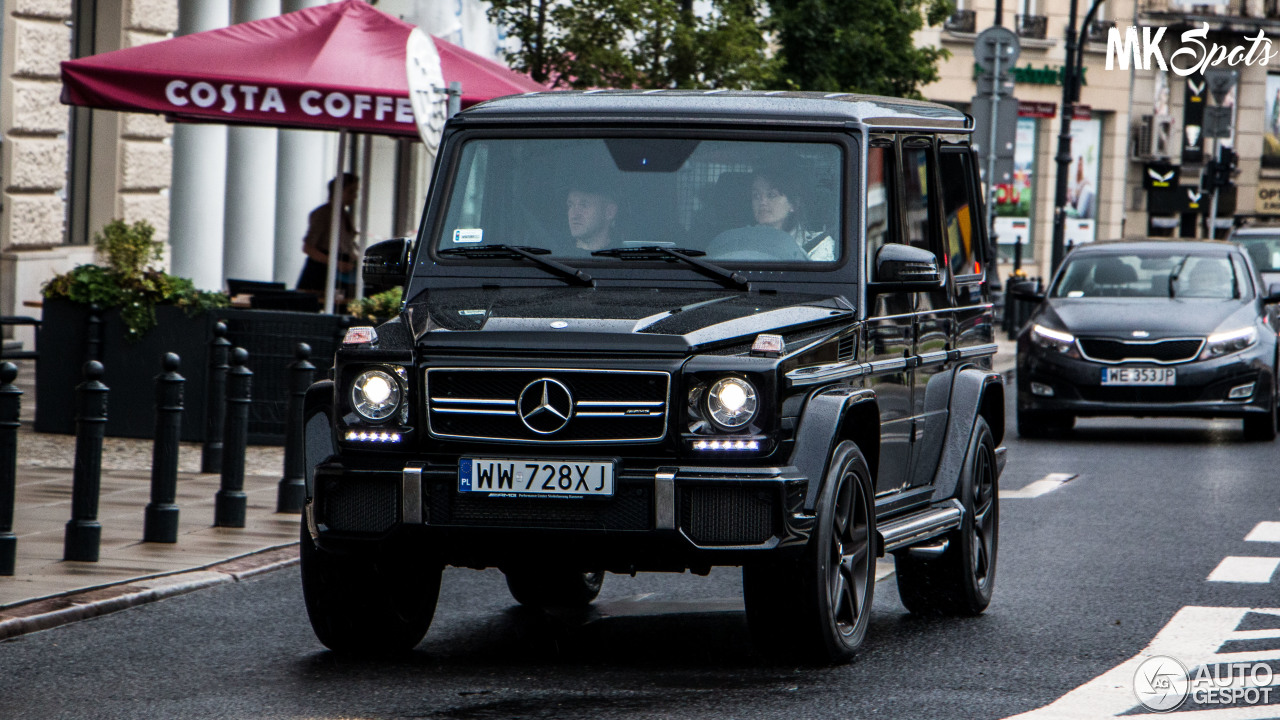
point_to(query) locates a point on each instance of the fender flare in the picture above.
(830, 415)
(974, 392)
(317, 431)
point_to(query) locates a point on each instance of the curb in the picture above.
(50, 612)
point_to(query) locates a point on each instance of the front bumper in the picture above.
(1201, 391)
(659, 518)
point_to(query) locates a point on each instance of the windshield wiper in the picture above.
(688, 256)
(1173, 274)
(514, 252)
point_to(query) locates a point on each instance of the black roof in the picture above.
(720, 105)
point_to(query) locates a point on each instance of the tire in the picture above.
(553, 587)
(1040, 424)
(961, 580)
(816, 609)
(367, 606)
(1260, 427)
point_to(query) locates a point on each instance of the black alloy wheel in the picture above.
(959, 580)
(1261, 427)
(816, 609)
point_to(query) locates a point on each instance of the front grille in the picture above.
(604, 406)
(364, 505)
(629, 509)
(1166, 352)
(726, 516)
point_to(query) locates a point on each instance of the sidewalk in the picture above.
(46, 590)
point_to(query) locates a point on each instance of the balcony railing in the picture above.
(1253, 9)
(1035, 27)
(1098, 29)
(961, 21)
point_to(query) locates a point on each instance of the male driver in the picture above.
(591, 216)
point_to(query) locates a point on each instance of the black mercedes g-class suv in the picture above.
(665, 331)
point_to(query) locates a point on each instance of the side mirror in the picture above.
(1273, 294)
(906, 268)
(1026, 290)
(386, 264)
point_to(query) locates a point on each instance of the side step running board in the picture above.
(917, 527)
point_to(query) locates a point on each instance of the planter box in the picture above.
(130, 368)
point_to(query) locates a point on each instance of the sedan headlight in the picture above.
(1225, 343)
(375, 394)
(1054, 340)
(732, 402)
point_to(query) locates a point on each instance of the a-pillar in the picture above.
(248, 250)
(302, 170)
(196, 200)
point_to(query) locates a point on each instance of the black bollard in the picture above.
(161, 517)
(215, 397)
(292, 491)
(229, 505)
(93, 335)
(84, 533)
(10, 408)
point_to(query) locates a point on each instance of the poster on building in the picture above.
(1271, 123)
(1082, 181)
(1014, 201)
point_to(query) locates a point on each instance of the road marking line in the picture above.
(1194, 637)
(1046, 484)
(1264, 532)
(1245, 570)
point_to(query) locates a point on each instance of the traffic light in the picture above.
(1225, 166)
(1215, 176)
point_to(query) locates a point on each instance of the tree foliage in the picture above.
(635, 43)
(864, 46)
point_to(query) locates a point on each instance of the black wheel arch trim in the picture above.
(974, 392)
(830, 415)
(317, 423)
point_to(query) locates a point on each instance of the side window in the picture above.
(882, 217)
(959, 214)
(917, 182)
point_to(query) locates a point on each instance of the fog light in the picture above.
(1041, 389)
(1240, 392)
(726, 444)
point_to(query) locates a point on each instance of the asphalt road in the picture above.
(1089, 573)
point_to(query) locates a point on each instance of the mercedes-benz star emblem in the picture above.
(545, 406)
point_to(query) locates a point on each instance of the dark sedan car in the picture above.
(1153, 328)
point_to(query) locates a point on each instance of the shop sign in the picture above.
(1268, 198)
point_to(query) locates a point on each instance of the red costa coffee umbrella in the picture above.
(332, 67)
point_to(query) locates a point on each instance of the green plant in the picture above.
(377, 308)
(128, 281)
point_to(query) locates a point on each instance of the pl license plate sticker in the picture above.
(463, 236)
(504, 477)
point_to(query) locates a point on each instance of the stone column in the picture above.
(248, 250)
(197, 197)
(302, 169)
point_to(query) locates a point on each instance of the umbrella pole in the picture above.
(366, 170)
(335, 220)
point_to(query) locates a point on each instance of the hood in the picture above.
(1121, 317)
(612, 319)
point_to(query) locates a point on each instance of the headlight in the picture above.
(732, 402)
(375, 394)
(1055, 340)
(1225, 343)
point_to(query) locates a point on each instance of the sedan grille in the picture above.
(547, 405)
(1165, 352)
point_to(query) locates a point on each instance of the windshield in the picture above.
(1150, 274)
(736, 201)
(1264, 249)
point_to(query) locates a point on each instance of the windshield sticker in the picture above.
(471, 312)
(461, 236)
